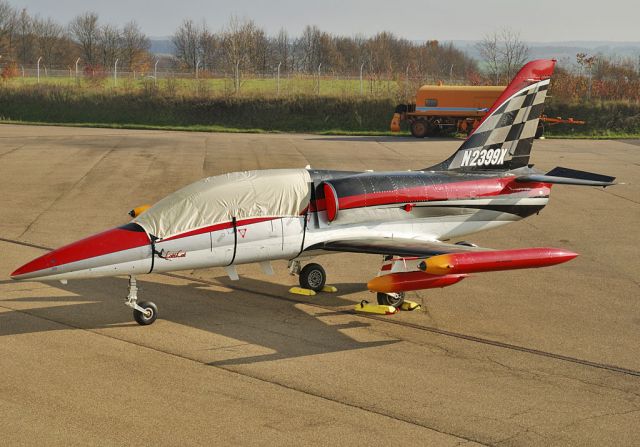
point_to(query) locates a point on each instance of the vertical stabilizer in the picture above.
(505, 135)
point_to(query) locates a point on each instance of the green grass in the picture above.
(216, 87)
(153, 108)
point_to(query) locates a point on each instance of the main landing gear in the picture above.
(312, 279)
(390, 299)
(144, 312)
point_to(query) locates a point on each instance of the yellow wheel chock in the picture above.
(409, 305)
(309, 292)
(301, 291)
(379, 309)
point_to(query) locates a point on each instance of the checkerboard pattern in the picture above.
(511, 126)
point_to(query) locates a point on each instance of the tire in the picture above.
(313, 276)
(389, 300)
(419, 128)
(141, 318)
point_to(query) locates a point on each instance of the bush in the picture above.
(50, 103)
(305, 113)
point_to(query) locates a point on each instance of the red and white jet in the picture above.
(294, 214)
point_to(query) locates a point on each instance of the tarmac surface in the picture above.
(533, 357)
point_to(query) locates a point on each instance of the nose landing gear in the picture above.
(144, 312)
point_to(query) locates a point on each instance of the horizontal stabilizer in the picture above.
(566, 176)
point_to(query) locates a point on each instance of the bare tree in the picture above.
(48, 36)
(24, 38)
(282, 49)
(135, 46)
(109, 44)
(240, 44)
(8, 20)
(503, 53)
(209, 48)
(85, 31)
(308, 44)
(186, 43)
(514, 52)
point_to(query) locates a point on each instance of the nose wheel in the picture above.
(144, 312)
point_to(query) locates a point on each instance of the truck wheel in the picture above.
(419, 128)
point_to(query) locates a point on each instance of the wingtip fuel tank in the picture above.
(489, 261)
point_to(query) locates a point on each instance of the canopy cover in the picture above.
(218, 199)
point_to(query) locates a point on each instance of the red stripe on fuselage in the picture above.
(446, 191)
(111, 241)
(221, 226)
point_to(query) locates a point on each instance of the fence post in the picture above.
(197, 65)
(77, 60)
(237, 80)
(39, 59)
(361, 68)
(278, 80)
(155, 72)
(115, 73)
(319, 66)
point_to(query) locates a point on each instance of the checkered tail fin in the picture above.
(504, 138)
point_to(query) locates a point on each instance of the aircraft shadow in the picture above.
(258, 322)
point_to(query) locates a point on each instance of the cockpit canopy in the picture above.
(218, 199)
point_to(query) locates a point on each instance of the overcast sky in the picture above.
(536, 20)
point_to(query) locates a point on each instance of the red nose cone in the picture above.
(110, 241)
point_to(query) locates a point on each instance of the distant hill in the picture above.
(565, 52)
(161, 45)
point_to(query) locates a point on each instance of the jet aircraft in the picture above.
(294, 214)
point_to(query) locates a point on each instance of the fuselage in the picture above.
(336, 205)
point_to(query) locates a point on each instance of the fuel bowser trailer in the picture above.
(442, 109)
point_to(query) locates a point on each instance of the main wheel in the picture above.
(394, 300)
(148, 316)
(419, 128)
(313, 276)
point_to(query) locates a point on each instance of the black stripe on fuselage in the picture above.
(517, 210)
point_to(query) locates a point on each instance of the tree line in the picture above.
(241, 46)
(24, 38)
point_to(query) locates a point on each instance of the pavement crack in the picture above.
(11, 151)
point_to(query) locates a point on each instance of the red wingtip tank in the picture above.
(489, 261)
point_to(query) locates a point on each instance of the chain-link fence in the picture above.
(209, 82)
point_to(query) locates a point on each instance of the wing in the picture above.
(394, 246)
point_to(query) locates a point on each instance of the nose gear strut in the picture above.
(144, 312)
